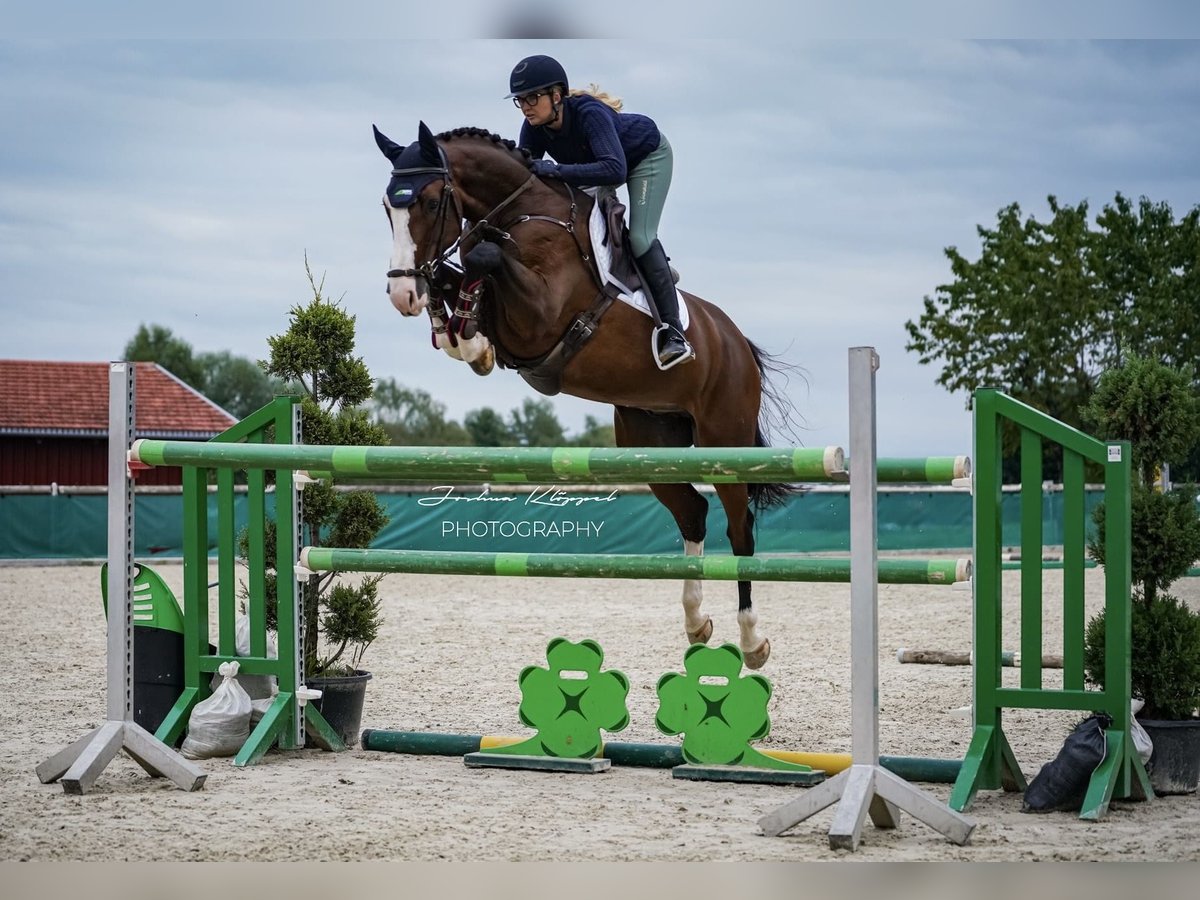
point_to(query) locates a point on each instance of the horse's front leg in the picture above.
(736, 500)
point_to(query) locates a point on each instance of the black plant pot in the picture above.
(1175, 766)
(157, 674)
(341, 702)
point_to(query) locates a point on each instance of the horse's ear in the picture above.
(429, 147)
(387, 146)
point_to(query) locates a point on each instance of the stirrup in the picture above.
(688, 354)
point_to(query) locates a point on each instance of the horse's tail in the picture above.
(775, 413)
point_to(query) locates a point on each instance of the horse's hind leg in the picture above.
(690, 510)
(637, 428)
(735, 498)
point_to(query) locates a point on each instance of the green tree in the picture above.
(1154, 407)
(236, 383)
(317, 354)
(1147, 268)
(1048, 307)
(534, 424)
(595, 434)
(1151, 404)
(412, 417)
(157, 344)
(1025, 316)
(487, 428)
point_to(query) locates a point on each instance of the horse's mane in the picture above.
(483, 133)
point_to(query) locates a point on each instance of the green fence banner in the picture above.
(545, 519)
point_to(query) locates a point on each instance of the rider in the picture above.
(593, 143)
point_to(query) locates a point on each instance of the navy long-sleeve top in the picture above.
(596, 145)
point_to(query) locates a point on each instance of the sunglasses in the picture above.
(529, 99)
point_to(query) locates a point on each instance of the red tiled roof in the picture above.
(54, 397)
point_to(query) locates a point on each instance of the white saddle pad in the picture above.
(603, 256)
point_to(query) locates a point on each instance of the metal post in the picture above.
(81, 763)
(865, 787)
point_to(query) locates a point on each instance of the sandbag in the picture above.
(219, 725)
(257, 686)
(1141, 739)
(1062, 783)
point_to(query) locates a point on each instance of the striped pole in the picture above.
(604, 465)
(584, 565)
(920, 469)
(654, 756)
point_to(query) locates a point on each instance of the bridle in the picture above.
(426, 269)
(429, 268)
(438, 268)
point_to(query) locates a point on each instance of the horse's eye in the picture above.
(432, 205)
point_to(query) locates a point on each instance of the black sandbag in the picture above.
(1062, 783)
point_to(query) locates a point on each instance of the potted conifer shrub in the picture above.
(342, 615)
(1156, 409)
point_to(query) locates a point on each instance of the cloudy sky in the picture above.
(181, 182)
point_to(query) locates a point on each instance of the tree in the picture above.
(487, 428)
(316, 353)
(1151, 404)
(595, 434)
(155, 343)
(1048, 307)
(412, 417)
(1024, 317)
(1147, 268)
(1154, 407)
(534, 424)
(236, 383)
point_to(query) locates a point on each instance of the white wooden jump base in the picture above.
(865, 787)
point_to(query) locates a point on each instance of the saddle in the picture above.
(621, 267)
(621, 279)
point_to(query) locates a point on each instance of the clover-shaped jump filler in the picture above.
(569, 702)
(716, 711)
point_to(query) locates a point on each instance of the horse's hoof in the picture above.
(701, 634)
(485, 363)
(755, 659)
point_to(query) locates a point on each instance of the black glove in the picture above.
(544, 168)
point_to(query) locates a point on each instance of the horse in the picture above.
(527, 241)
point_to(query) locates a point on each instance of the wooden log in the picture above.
(1009, 658)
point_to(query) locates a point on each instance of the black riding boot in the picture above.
(671, 347)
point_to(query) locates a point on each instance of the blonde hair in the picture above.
(593, 90)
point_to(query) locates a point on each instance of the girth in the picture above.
(544, 374)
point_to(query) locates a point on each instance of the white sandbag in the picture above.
(257, 686)
(1141, 740)
(219, 725)
(258, 709)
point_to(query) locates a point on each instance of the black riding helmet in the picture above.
(534, 73)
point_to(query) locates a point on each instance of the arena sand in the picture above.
(447, 660)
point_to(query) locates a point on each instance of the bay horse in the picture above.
(527, 240)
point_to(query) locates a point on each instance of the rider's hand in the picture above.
(544, 168)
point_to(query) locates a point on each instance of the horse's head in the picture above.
(425, 216)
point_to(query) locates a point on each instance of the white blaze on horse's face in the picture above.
(402, 290)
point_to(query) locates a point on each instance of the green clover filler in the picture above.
(717, 711)
(569, 702)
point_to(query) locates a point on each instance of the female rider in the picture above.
(593, 143)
